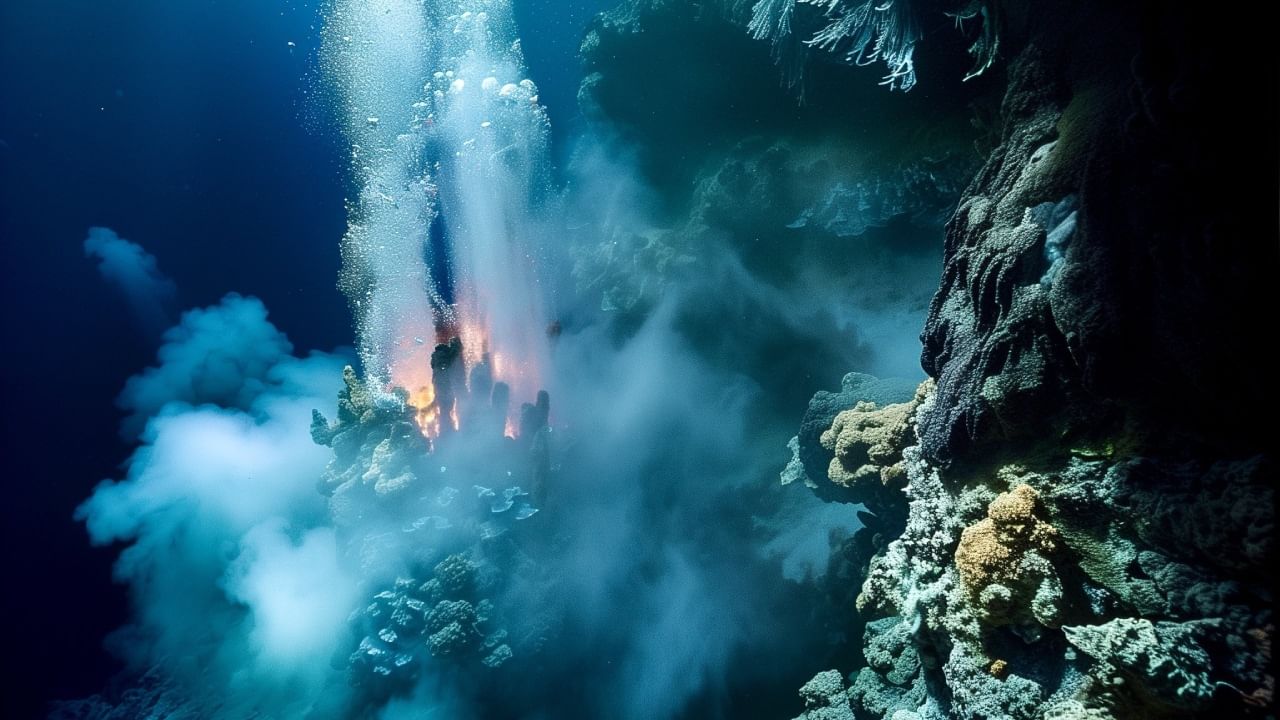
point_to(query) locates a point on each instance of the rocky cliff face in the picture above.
(1089, 491)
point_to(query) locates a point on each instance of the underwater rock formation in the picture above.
(810, 458)
(867, 442)
(410, 623)
(1004, 563)
(825, 698)
(1079, 540)
(446, 505)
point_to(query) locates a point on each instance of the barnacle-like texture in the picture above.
(451, 625)
(456, 576)
(395, 515)
(412, 621)
(1053, 600)
(388, 656)
(375, 441)
(811, 460)
(1001, 363)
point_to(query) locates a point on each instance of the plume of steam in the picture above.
(136, 274)
(245, 577)
(223, 355)
(449, 148)
(233, 571)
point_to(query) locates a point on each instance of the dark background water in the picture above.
(196, 130)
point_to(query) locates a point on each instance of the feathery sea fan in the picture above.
(866, 32)
(862, 32)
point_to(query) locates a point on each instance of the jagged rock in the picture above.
(1000, 362)
(1090, 341)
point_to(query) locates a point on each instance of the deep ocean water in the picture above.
(636, 359)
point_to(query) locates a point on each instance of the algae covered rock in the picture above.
(811, 459)
(867, 443)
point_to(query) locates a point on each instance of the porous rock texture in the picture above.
(1089, 492)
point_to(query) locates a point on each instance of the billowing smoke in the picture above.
(222, 355)
(440, 539)
(230, 560)
(136, 274)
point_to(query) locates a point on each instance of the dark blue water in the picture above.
(194, 129)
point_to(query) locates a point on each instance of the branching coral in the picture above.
(871, 31)
(985, 49)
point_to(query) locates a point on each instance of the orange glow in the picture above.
(426, 413)
(412, 369)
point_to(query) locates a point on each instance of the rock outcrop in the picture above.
(1088, 499)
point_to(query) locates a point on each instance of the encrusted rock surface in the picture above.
(414, 509)
(1089, 500)
(866, 442)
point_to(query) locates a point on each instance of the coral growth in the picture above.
(825, 698)
(435, 514)
(811, 460)
(1078, 541)
(867, 443)
(1003, 559)
(412, 621)
(862, 32)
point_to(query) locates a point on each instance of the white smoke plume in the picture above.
(231, 566)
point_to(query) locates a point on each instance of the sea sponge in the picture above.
(1003, 560)
(452, 627)
(868, 441)
(825, 698)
